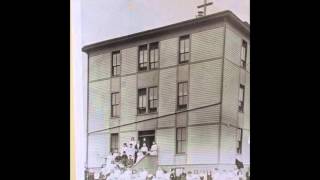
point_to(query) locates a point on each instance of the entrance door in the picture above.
(146, 137)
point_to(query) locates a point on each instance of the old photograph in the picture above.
(163, 89)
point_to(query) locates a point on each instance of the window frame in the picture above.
(183, 106)
(181, 140)
(184, 38)
(116, 66)
(146, 105)
(239, 140)
(111, 142)
(117, 105)
(154, 99)
(156, 63)
(243, 62)
(145, 61)
(241, 102)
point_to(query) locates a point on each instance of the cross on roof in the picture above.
(204, 6)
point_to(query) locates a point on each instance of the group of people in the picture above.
(131, 152)
(118, 166)
(118, 163)
(115, 172)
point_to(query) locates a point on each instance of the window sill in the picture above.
(180, 154)
(150, 113)
(148, 70)
(114, 117)
(183, 62)
(114, 76)
(182, 110)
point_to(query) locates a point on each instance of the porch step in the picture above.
(149, 163)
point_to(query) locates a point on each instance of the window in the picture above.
(239, 141)
(153, 99)
(243, 54)
(143, 58)
(116, 63)
(184, 49)
(142, 101)
(182, 95)
(115, 104)
(181, 140)
(154, 55)
(241, 98)
(114, 142)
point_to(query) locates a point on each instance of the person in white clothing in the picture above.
(130, 150)
(124, 148)
(159, 174)
(216, 174)
(154, 149)
(132, 141)
(144, 149)
(189, 175)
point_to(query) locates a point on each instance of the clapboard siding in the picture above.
(246, 147)
(169, 52)
(230, 93)
(147, 125)
(125, 137)
(99, 105)
(166, 146)
(207, 44)
(209, 114)
(167, 121)
(167, 91)
(181, 159)
(114, 130)
(247, 103)
(228, 145)
(146, 116)
(128, 99)
(202, 144)
(233, 47)
(182, 119)
(129, 60)
(183, 73)
(248, 58)
(99, 66)
(114, 122)
(115, 84)
(148, 79)
(205, 83)
(130, 127)
(98, 146)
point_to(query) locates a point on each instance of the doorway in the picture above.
(146, 137)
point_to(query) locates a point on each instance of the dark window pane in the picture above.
(179, 134)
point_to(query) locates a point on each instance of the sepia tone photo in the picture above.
(163, 90)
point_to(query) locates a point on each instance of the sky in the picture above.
(107, 19)
(98, 20)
